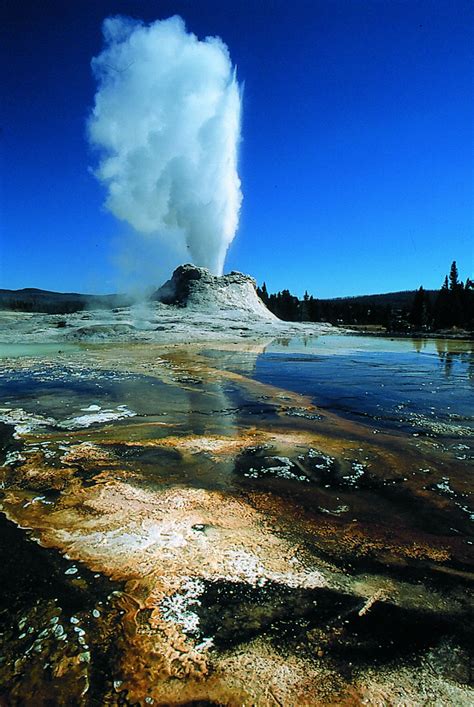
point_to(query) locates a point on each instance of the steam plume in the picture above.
(166, 121)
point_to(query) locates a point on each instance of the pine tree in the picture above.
(450, 308)
(419, 309)
(453, 277)
(305, 314)
(442, 309)
(456, 291)
(468, 304)
(263, 293)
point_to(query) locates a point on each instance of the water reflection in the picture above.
(452, 352)
(419, 344)
(417, 385)
(340, 345)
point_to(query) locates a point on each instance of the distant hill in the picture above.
(33, 300)
(397, 300)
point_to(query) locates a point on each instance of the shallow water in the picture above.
(25, 350)
(301, 504)
(406, 384)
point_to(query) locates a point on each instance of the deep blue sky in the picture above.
(357, 153)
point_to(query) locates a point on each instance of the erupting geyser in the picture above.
(167, 123)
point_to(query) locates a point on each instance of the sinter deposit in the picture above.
(197, 288)
(193, 305)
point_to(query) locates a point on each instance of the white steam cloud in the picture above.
(167, 123)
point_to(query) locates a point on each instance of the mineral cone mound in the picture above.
(193, 305)
(197, 288)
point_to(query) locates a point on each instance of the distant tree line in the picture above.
(34, 300)
(453, 306)
(419, 310)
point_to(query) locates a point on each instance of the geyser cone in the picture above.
(197, 288)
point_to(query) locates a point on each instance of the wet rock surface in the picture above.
(57, 625)
(213, 549)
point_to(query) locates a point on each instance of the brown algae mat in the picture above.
(228, 544)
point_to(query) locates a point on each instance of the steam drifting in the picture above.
(166, 121)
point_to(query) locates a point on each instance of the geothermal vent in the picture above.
(198, 289)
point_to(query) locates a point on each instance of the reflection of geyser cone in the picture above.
(197, 288)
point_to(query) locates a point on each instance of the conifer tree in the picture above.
(442, 306)
(262, 292)
(453, 277)
(419, 309)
